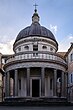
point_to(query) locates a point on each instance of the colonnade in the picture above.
(7, 82)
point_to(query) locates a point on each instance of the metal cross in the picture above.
(35, 6)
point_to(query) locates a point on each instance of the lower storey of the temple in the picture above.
(35, 82)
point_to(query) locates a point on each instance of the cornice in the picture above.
(35, 60)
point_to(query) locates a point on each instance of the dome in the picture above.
(35, 29)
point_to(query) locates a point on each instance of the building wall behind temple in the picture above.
(70, 63)
(69, 56)
(70, 73)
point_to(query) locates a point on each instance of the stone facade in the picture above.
(69, 59)
(35, 69)
(1, 79)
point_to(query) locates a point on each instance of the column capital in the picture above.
(43, 67)
(62, 71)
(55, 70)
(16, 70)
(28, 68)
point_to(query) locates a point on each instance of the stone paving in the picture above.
(36, 108)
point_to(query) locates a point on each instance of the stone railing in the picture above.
(37, 56)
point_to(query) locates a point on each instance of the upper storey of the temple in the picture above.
(35, 29)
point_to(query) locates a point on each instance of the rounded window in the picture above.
(44, 47)
(26, 47)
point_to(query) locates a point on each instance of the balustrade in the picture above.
(36, 55)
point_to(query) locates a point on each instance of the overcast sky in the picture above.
(56, 15)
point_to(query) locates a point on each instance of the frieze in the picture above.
(37, 64)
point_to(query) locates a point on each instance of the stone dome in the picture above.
(35, 29)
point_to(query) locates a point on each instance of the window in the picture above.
(44, 47)
(71, 57)
(51, 84)
(35, 47)
(51, 49)
(19, 84)
(26, 47)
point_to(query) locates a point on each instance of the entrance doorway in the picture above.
(35, 88)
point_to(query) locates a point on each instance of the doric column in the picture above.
(8, 84)
(28, 81)
(62, 84)
(14, 86)
(55, 83)
(5, 84)
(16, 82)
(42, 81)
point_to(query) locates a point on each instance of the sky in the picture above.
(56, 15)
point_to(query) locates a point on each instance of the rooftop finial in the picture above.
(35, 7)
(35, 17)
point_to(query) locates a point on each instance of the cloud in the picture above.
(65, 44)
(70, 36)
(53, 28)
(7, 34)
(63, 47)
(7, 48)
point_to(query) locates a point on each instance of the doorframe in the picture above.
(35, 78)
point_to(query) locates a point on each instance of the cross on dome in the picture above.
(35, 17)
(35, 7)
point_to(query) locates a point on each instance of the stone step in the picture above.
(35, 104)
(43, 101)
